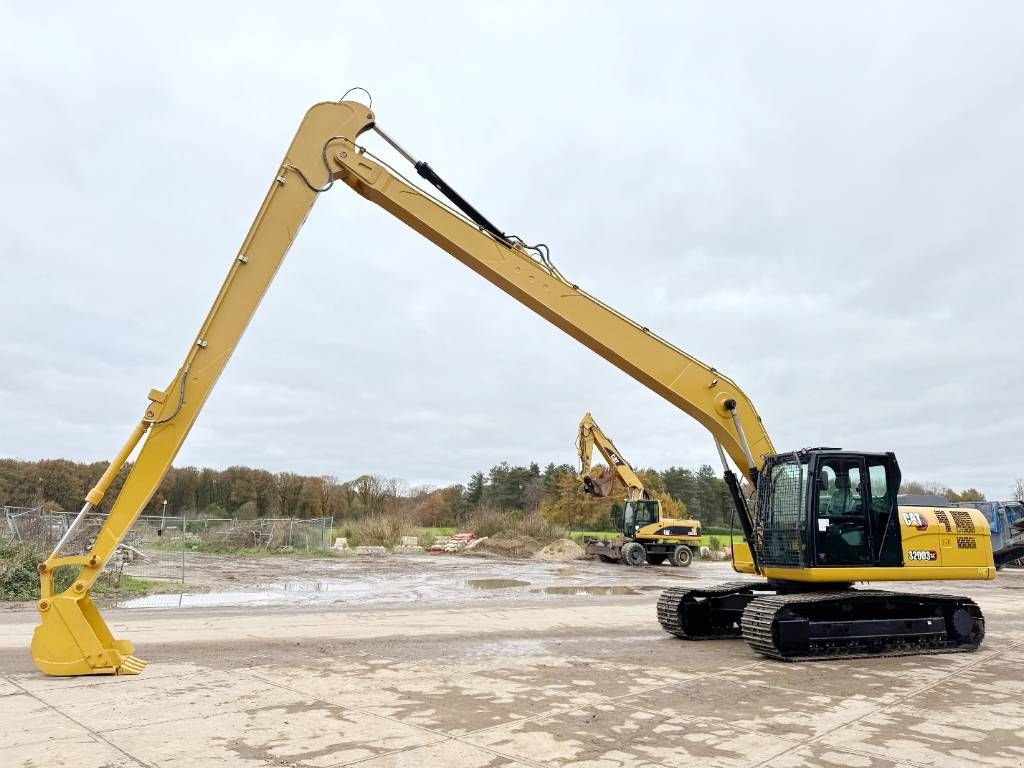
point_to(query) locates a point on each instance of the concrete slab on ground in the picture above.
(588, 680)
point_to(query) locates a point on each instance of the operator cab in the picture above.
(639, 513)
(824, 507)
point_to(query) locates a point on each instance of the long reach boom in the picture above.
(72, 638)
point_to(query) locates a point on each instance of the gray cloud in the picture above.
(821, 201)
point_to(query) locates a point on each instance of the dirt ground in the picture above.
(458, 661)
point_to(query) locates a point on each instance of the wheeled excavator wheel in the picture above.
(682, 556)
(634, 554)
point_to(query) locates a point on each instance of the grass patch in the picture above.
(377, 531)
(131, 586)
(534, 526)
(488, 522)
(19, 579)
(428, 536)
(216, 548)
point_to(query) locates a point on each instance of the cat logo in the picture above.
(922, 555)
(915, 520)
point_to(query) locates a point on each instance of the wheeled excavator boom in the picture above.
(73, 639)
(647, 535)
(591, 436)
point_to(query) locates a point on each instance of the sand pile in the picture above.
(505, 546)
(560, 551)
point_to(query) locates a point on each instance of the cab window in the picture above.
(879, 482)
(882, 484)
(842, 530)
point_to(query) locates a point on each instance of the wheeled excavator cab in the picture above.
(639, 513)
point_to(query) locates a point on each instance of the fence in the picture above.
(262, 533)
(154, 548)
(157, 546)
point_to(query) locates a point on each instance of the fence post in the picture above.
(182, 553)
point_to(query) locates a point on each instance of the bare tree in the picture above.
(327, 484)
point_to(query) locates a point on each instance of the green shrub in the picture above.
(19, 579)
(536, 526)
(377, 530)
(490, 522)
(714, 544)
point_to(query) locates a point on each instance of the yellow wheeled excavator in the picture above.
(822, 518)
(647, 536)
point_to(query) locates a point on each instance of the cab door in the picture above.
(841, 512)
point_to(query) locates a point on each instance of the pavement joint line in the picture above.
(94, 735)
(461, 737)
(797, 744)
(450, 739)
(499, 753)
(601, 700)
(955, 673)
(443, 736)
(883, 707)
(712, 719)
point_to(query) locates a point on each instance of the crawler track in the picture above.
(859, 624)
(694, 613)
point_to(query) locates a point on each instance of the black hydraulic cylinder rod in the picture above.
(743, 513)
(428, 173)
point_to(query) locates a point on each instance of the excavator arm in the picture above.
(72, 638)
(592, 436)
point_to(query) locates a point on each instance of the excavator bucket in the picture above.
(73, 639)
(604, 483)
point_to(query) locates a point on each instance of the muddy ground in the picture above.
(455, 661)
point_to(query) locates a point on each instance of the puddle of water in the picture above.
(321, 586)
(496, 583)
(583, 589)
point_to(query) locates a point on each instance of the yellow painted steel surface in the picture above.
(72, 638)
(692, 386)
(937, 544)
(651, 533)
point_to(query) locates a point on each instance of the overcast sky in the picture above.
(823, 202)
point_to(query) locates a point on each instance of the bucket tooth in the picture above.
(131, 665)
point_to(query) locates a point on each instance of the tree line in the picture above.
(555, 491)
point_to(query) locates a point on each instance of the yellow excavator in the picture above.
(822, 518)
(647, 536)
